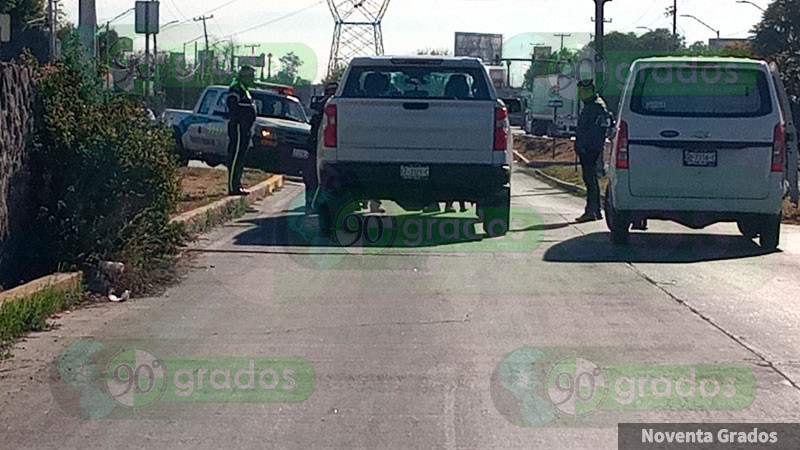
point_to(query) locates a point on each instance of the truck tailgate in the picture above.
(415, 130)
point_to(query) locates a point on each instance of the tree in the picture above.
(557, 63)
(335, 76)
(290, 64)
(778, 39)
(433, 51)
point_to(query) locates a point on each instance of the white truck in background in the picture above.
(551, 106)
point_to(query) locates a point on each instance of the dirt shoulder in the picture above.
(203, 186)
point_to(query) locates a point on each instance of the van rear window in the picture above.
(429, 82)
(701, 90)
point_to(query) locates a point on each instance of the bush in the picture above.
(107, 180)
(31, 313)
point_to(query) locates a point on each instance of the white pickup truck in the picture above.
(279, 136)
(416, 130)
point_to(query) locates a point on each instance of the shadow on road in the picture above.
(298, 230)
(654, 248)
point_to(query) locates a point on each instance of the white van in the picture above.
(700, 141)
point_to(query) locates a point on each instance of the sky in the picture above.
(414, 24)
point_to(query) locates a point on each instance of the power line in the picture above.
(221, 6)
(277, 19)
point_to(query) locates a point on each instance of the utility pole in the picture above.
(674, 24)
(562, 36)
(674, 11)
(205, 29)
(599, 29)
(51, 21)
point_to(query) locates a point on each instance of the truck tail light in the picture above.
(778, 148)
(622, 146)
(500, 129)
(330, 126)
(268, 138)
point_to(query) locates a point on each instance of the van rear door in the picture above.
(702, 131)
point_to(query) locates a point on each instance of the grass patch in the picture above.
(203, 186)
(229, 211)
(30, 314)
(569, 174)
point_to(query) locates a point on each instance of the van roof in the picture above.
(700, 59)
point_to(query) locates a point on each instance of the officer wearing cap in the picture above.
(590, 141)
(242, 111)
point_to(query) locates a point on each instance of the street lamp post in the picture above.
(269, 66)
(751, 3)
(703, 23)
(649, 30)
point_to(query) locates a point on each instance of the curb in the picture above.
(261, 190)
(573, 188)
(59, 282)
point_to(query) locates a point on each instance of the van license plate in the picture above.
(695, 158)
(415, 173)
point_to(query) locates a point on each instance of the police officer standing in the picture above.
(310, 168)
(590, 142)
(242, 112)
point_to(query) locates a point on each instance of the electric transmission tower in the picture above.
(357, 31)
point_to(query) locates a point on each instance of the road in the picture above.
(404, 342)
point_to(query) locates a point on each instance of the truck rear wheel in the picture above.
(497, 213)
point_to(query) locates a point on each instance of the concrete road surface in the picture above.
(428, 346)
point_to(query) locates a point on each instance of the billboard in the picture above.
(487, 47)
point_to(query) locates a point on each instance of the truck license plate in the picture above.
(696, 158)
(299, 153)
(416, 173)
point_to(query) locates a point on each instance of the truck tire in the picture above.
(771, 232)
(497, 213)
(180, 152)
(539, 128)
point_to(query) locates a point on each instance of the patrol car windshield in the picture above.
(279, 107)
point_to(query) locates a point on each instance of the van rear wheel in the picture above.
(618, 223)
(748, 228)
(771, 232)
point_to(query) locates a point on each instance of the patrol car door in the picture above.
(199, 137)
(218, 127)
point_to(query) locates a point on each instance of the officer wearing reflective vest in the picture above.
(242, 111)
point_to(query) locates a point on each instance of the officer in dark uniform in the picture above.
(242, 115)
(590, 142)
(310, 168)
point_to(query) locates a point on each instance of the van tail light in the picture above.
(500, 129)
(622, 145)
(330, 132)
(779, 148)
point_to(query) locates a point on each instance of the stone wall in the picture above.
(16, 121)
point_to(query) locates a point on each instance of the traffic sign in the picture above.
(147, 17)
(5, 28)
